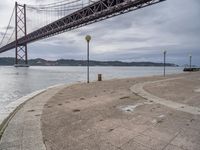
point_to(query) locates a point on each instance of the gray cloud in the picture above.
(141, 35)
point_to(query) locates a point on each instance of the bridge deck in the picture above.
(95, 12)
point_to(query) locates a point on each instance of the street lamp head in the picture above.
(88, 38)
(164, 51)
(190, 55)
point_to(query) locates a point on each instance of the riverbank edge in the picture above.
(18, 104)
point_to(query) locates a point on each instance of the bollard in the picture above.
(99, 77)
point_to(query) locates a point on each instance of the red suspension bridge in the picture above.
(56, 18)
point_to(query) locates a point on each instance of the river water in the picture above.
(18, 82)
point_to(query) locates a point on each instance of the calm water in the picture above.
(17, 82)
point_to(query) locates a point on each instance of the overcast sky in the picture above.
(142, 35)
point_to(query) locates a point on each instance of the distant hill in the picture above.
(8, 61)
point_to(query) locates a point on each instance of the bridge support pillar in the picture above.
(21, 58)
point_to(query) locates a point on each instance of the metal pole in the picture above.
(190, 61)
(164, 61)
(88, 63)
(26, 57)
(88, 38)
(16, 59)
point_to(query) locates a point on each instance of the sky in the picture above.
(140, 35)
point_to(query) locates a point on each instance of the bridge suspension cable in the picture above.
(9, 40)
(52, 6)
(7, 28)
(74, 7)
(43, 14)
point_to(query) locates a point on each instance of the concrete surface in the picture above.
(109, 116)
(139, 89)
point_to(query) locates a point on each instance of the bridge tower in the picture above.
(21, 59)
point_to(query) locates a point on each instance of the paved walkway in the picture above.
(24, 130)
(139, 89)
(108, 116)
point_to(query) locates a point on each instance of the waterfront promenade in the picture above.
(158, 113)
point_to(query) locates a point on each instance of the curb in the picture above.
(139, 90)
(23, 101)
(17, 105)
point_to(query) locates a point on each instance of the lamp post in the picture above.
(164, 52)
(190, 61)
(88, 38)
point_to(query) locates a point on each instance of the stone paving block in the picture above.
(106, 125)
(14, 145)
(90, 143)
(12, 148)
(132, 145)
(172, 147)
(108, 146)
(159, 134)
(171, 127)
(154, 143)
(188, 139)
(194, 123)
(141, 119)
(119, 136)
(137, 128)
(191, 134)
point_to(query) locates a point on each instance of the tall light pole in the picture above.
(190, 61)
(88, 38)
(164, 52)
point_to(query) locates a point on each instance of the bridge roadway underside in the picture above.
(95, 12)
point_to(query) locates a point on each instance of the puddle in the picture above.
(158, 119)
(161, 116)
(131, 108)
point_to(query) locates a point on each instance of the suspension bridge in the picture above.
(30, 23)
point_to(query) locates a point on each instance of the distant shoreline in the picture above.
(9, 61)
(93, 66)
